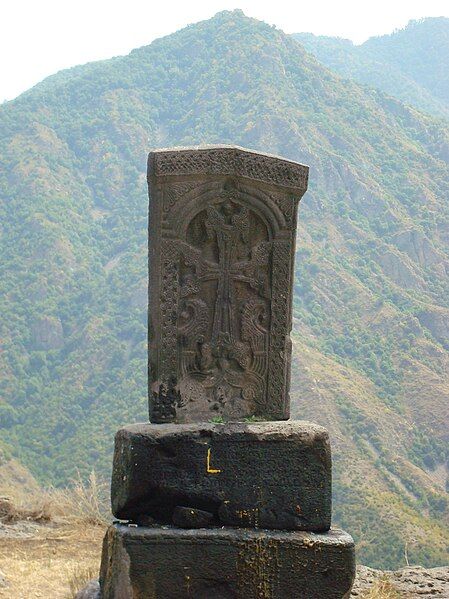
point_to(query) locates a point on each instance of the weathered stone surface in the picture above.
(225, 564)
(144, 520)
(222, 240)
(188, 517)
(260, 475)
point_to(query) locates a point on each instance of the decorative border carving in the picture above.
(231, 161)
(168, 345)
(280, 326)
(174, 193)
(286, 204)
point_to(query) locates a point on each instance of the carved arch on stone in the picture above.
(196, 200)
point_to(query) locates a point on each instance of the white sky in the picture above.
(40, 37)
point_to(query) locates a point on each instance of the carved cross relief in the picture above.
(222, 236)
(224, 308)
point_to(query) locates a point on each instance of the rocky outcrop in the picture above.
(397, 269)
(417, 247)
(90, 591)
(436, 319)
(411, 582)
(360, 196)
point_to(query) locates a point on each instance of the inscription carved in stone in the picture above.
(222, 237)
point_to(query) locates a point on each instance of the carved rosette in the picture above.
(222, 232)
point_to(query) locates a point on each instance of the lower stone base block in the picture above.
(225, 563)
(274, 475)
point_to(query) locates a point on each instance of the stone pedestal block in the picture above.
(225, 563)
(274, 475)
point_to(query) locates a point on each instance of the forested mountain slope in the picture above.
(371, 331)
(411, 64)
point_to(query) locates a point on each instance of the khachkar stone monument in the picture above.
(221, 496)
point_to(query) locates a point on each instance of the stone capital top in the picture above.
(228, 161)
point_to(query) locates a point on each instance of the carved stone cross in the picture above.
(222, 238)
(254, 497)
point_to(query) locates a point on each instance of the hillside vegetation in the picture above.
(371, 332)
(411, 64)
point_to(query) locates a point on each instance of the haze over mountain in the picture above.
(371, 334)
(411, 64)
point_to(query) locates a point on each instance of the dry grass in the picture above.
(382, 589)
(80, 503)
(63, 554)
(79, 578)
(52, 564)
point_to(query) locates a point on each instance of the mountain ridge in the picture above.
(370, 359)
(410, 64)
